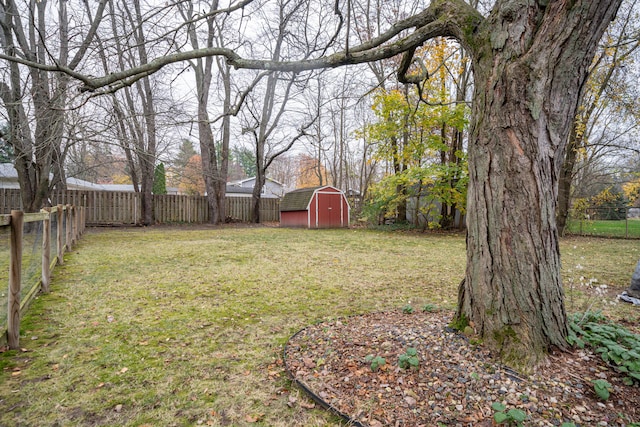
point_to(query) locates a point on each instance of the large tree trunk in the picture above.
(223, 169)
(209, 161)
(257, 189)
(214, 170)
(528, 80)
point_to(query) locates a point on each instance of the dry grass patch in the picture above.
(168, 326)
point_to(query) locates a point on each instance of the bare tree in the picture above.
(134, 111)
(264, 116)
(593, 135)
(213, 168)
(265, 126)
(37, 137)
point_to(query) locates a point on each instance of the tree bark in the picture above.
(530, 64)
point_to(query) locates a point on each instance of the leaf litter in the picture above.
(456, 381)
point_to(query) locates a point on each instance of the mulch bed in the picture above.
(456, 381)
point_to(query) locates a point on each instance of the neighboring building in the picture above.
(235, 191)
(8, 176)
(272, 189)
(9, 180)
(316, 207)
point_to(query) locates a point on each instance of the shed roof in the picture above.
(297, 200)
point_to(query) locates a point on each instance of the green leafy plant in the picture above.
(602, 388)
(407, 309)
(409, 359)
(615, 344)
(515, 417)
(428, 308)
(375, 362)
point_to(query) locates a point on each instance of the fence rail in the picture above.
(30, 253)
(604, 222)
(125, 208)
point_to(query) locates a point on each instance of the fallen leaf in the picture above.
(123, 370)
(292, 401)
(309, 363)
(410, 401)
(306, 405)
(253, 418)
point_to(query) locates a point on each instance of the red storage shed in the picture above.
(317, 207)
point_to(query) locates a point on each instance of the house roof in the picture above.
(252, 178)
(234, 189)
(297, 200)
(8, 171)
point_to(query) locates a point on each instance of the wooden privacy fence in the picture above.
(171, 208)
(125, 208)
(49, 234)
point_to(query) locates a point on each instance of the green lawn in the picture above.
(178, 326)
(608, 228)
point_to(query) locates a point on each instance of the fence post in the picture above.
(83, 218)
(69, 224)
(15, 266)
(626, 223)
(72, 225)
(582, 220)
(59, 238)
(46, 251)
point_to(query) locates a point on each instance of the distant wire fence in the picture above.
(31, 244)
(616, 221)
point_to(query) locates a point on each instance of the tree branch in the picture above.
(447, 18)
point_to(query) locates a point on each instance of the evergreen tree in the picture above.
(246, 158)
(159, 180)
(6, 151)
(185, 153)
